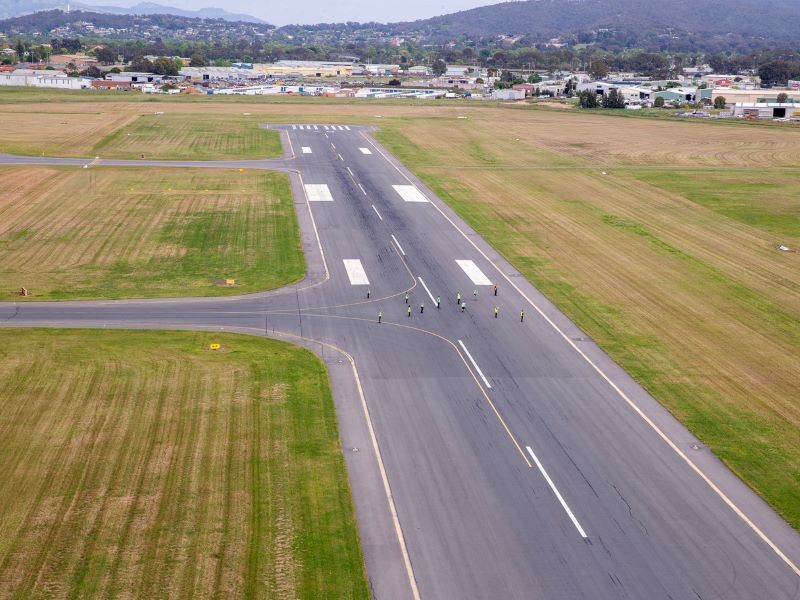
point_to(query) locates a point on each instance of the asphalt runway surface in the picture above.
(490, 456)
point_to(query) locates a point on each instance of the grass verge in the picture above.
(140, 463)
(113, 233)
(175, 136)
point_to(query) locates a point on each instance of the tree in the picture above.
(783, 97)
(199, 59)
(106, 56)
(659, 102)
(534, 78)
(613, 99)
(598, 69)
(93, 72)
(587, 99)
(438, 67)
(719, 102)
(394, 82)
(165, 66)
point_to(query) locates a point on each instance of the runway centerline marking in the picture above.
(318, 192)
(340, 158)
(557, 493)
(363, 190)
(355, 271)
(422, 281)
(333, 146)
(377, 213)
(473, 272)
(305, 149)
(410, 193)
(403, 252)
(349, 170)
(365, 151)
(474, 364)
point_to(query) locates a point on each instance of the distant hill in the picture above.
(770, 19)
(17, 8)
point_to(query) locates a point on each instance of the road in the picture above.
(490, 456)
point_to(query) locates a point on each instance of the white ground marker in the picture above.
(315, 127)
(365, 151)
(326, 127)
(427, 290)
(377, 213)
(473, 272)
(306, 150)
(403, 252)
(362, 189)
(318, 192)
(557, 493)
(347, 127)
(294, 126)
(409, 193)
(474, 364)
(355, 271)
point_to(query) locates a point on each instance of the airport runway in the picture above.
(490, 456)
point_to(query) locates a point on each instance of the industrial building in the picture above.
(43, 79)
(767, 110)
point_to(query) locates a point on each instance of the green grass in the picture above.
(765, 200)
(115, 233)
(140, 463)
(175, 136)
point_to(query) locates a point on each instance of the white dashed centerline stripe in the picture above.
(333, 146)
(427, 290)
(557, 493)
(349, 170)
(306, 150)
(474, 364)
(365, 151)
(362, 189)
(403, 252)
(377, 213)
(340, 158)
(355, 271)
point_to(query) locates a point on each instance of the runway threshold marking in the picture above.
(473, 272)
(399, 247)
(422, 281)
(635, 407)
(355, 271)
(365, 151)
(306, 149)
(474, 364)
(560, 498)
(409, 193)
(377, 213)
(318, 192)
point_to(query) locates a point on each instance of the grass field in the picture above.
(142, 465)
(182, 136)
(110, 233)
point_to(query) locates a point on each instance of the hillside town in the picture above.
(696, 88)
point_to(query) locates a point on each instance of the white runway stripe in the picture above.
(365, 151)
(473, 272)
(306, 150)
(347, 128)
(409, 193)
(399, 247)
(315, 128)
(474, 364)
(318, 192)
(553, 487)
(355, 271)
(326, 127)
